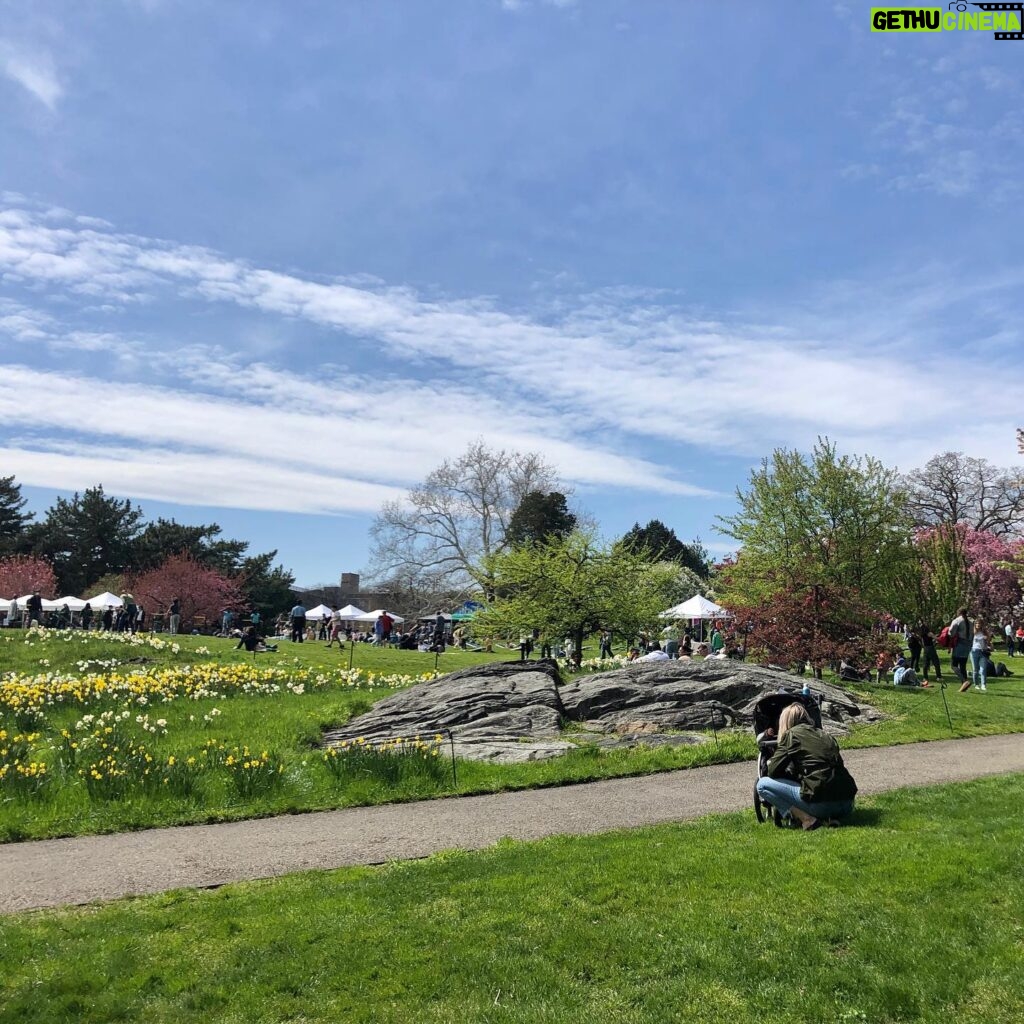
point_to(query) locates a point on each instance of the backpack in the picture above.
(944, 639)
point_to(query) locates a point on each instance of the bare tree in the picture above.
(452, 524)
(954, 488)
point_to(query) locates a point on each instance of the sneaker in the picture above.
(982, 687)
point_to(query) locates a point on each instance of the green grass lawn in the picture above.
(912, 913)
(289, 726)
(16, 655)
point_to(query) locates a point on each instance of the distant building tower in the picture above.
(350, 582)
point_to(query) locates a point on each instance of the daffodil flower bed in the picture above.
(390, 760)
(108, 735)
(20, 770)
(26, 697)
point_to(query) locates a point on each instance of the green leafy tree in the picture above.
(14, 520)
(570, 586)
(831, 521)
(88, 537)
(540, 516)
(162, 538)
(266, 587)
(661, 544)
(930, 586)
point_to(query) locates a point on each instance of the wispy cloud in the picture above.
(590, 387)
(33, 70)
(939, 127)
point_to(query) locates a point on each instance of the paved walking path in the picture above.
(59, 871)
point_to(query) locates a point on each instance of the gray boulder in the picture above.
(514, 711)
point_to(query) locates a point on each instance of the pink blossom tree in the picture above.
(201, 590)
(995, 567)
(25, 574)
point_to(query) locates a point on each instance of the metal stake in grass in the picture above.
(945, 704)
(351, 651)
(455, 777)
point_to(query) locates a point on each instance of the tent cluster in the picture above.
(75, 604)
(350, 613)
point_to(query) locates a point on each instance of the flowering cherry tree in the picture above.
(201, 590)
(24, 574)
(820, 624)
(995, 567)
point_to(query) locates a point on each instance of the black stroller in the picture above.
(766, 716)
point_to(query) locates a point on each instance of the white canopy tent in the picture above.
(48, 605)
(696, 608)
(101, 602)
(75, 604)
(350, 611)
(321, 611)
(375, 615)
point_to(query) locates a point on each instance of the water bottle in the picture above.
(806, 691)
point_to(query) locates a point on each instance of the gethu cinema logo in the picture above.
(1003, 19)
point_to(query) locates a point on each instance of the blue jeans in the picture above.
(978, 667)
(785, 795)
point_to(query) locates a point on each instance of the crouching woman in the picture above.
(806, 779)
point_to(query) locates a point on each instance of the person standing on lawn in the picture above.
(717, 640)
(1008, 631)
(930, 656)
(174, 616)
(336, 628)
(979, 659)
(298, 622)
(961, 633)
(34, 610)
(914, 645)
(606, 645)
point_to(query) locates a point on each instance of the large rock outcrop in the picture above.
(513, 711)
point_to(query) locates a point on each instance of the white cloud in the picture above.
(33, 70)
(589, 388)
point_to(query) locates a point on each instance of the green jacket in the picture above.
(806, 755)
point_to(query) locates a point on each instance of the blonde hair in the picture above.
(793, 714)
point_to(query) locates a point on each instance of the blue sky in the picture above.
(269, 263)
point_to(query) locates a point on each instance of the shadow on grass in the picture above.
(863, 817)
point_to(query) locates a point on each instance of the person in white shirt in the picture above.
(979, 658)
(657, 654)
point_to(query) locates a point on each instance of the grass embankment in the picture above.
(287, 725)
(910, 914)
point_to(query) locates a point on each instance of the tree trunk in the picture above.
(578, 645)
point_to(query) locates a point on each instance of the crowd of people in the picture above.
(970, 644)
(128, 616)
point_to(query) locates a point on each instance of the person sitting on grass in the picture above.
(806, 779)
(253, 643)
(904, 675)
(994, 670)
(654, 654)
(849, 673)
